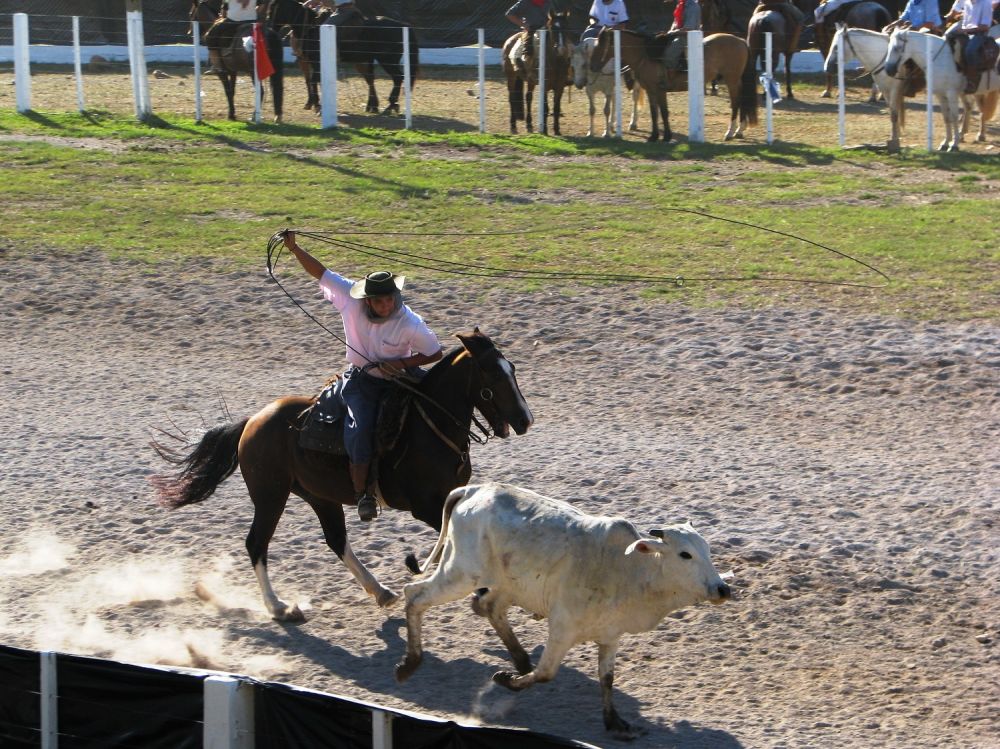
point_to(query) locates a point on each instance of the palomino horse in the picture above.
(603, 82)
(784, 41)
(428, 460)
(521, 84)
(725, 56)
(949, 81)
(377, 40)
(237, 61)
(867, 14)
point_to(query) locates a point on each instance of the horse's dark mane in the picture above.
(435, 372)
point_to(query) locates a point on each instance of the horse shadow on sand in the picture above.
(463, 687)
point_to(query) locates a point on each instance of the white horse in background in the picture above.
(948, 81)
(869, 48)
(987, 96)
(602, 82)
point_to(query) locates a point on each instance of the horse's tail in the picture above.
(640, 97)
(414, 58)
(747, 99)
(276, 51)
(211, 462)
(456, 496)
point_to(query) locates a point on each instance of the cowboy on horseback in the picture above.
(611, 14)
(974, 49)
(687, 17)
(385, 340)
(220, 35)
(530, 15)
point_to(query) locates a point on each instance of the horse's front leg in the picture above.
(331, 518)
(229, 86)
(788, 77)
(556, 110)
(607, 117)
(828, 91)
(528, 97)
(367, 71)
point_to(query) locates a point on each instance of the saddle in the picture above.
(322, 429)
(974, 55)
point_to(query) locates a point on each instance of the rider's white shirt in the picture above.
(609, 14)
(402, 335)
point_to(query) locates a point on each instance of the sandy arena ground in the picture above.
(844, 467)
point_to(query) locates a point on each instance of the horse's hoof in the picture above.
(506, 679)
(386, 598)
(825, 95)
(291, 614)
(406, 667)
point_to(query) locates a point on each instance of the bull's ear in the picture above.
(641, 547)
(658, 532)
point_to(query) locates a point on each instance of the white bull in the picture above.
(595, 578)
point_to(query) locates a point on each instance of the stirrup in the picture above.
(367, 507)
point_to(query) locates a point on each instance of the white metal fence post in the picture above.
(406, 78)
(77, 67)
(228, 713)
(618, 82)
(328, 74)
(22, 62)
(769, 73)
(696, 87)
(542, 99)
(929, 75)
(196, 47)
(49, 699)
(482, 80)
(137, 64)
(381, 729)
(258, 84)
(841, 94)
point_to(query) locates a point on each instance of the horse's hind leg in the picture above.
(229, 86)
(367, 71)
(331, 517)
(269, 495)
(396, 73)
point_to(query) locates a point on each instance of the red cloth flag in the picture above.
(262, 61)
(679, 14)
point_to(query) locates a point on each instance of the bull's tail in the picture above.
(456, 496)
(211, 462)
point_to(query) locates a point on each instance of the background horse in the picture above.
(377, 40)
(428, 460)
(603, 82)
(784, 41)
(863, 15)
(236, 61)
(725, 56)
(869, 48)
(949, 81)
(521, 85)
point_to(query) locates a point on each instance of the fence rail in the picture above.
(47, 698)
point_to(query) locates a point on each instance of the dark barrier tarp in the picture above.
(20, 712)
(287, 717)
(106, 703)
(410, 733)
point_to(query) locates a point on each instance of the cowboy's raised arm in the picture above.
(312, 266)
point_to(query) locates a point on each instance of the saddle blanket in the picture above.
(323, 428)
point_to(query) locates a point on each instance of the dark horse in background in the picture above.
(377, 40)
(558, 73)
(235, 59)
(428, 460)
(866, 14)
(784, 41)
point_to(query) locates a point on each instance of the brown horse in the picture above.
(428, 460)
(725, 56)
(236, 61)
(785, 41)
(558, 74)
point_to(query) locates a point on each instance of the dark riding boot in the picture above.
(367, 504)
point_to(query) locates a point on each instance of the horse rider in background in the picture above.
(385, 339)
(920, 15)
(974, 49)
(220, 36)
(605, 14)
(530, 15)
(794, 18)
(687, 17)
(344, 14)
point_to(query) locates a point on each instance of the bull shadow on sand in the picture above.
(463, 687)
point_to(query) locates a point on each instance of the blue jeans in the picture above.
(362, 393)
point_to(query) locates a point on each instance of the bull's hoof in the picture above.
(506, 679)
(386, 598)
(406, 667)
(291, 614)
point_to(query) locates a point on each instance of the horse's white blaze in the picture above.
(508, 370)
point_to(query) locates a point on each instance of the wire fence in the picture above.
(448, 93)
